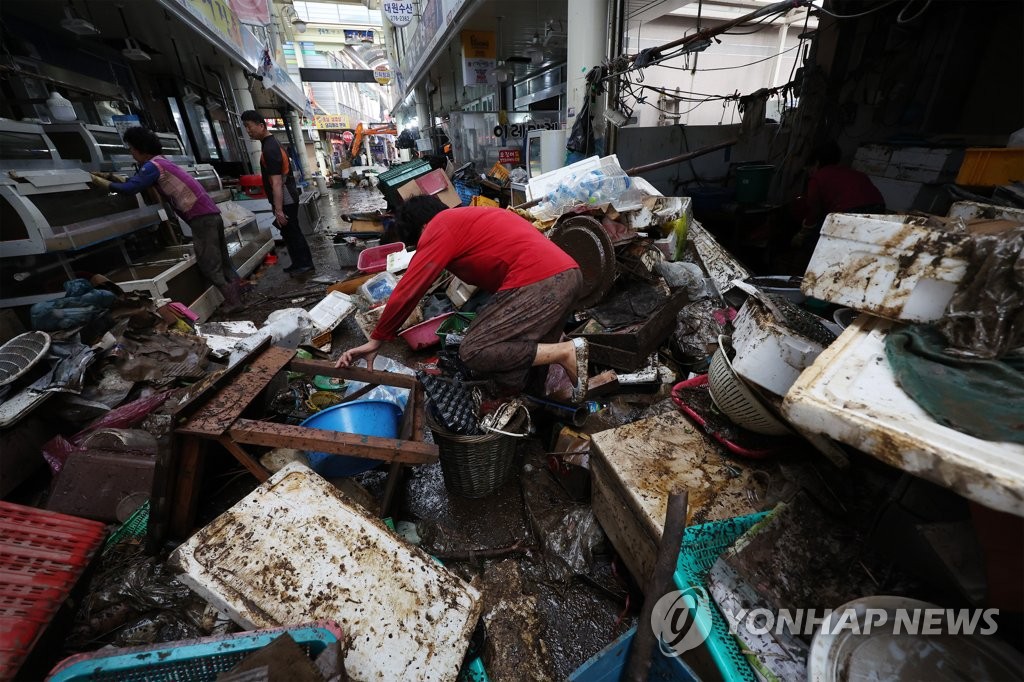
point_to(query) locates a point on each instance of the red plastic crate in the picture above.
(42, 555)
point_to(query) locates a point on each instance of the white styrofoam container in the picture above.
(328, 313)
(969, 210)
(399, 261)
(296, 550)
(850, 394)
(886, 265)
(767, 353)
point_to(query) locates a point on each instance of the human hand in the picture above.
(99, 182)
(367, 351)
(280, 217)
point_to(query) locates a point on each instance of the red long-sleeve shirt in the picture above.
(491, 248)
(835, 189)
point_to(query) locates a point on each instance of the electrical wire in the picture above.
(900, 19)
(861, 14)
(738, 66)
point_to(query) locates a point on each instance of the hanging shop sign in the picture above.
(398, 13)
(347, 136)
(479, 54)
(330, 122)
(383, 74)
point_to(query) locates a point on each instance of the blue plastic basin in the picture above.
(364, 417)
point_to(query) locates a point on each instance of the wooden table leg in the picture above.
(395, 475)
(186, 490)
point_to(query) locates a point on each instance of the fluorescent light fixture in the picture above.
(76, 24)
(133, 51)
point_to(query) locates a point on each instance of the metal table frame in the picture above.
(213, 414)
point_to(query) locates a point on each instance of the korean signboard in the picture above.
(398, 13)
(479, 51)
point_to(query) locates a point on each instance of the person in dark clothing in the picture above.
(282, 192)
(190, 201)
(834, 188)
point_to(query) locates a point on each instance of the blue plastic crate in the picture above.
(196, 660)
(702, 545)
(607, 665)
(465, 192)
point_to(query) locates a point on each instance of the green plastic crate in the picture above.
(702, 545)
(456, 324)
(389, 181)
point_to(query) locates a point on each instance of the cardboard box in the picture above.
(435, 183)
(359, 225)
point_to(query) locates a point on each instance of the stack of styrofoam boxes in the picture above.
(910, 177)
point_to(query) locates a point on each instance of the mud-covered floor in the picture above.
(543, 620)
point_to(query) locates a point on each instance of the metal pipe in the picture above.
(577, 413)
(637, 170)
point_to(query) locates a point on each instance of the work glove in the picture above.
(99, 182)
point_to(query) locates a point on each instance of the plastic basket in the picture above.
(737, 401)
(194, 660)
(484, 201)
(456, 324)
(135, 526)
(466, 192)
(475, 466)
(499, 173)
(702, 545)
(42, 555)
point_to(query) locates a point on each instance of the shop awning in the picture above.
(215, 21)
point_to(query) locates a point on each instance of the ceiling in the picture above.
(156, 31)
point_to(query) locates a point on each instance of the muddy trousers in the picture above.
(212, 250)
(501, 344)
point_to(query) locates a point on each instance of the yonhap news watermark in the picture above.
(862, 621)
(682, 621)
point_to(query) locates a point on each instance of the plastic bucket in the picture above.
(752, 183)
(364, 417)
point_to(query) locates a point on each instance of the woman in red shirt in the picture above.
(534, 282)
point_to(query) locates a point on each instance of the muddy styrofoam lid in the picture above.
(296, 550)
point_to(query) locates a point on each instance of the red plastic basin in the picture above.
(375, 259)
(424, 334)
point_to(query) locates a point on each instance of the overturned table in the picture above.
(216, 412)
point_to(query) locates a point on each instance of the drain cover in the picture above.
(19, 354)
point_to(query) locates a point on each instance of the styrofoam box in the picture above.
(328, 313)
(886, 265)
(296, 550)
(767, 353)
(850, 394)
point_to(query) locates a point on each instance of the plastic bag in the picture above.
(684, 276)
(289, 327)
(396, 396)
(569, 548)
(604, 185)
(985, 318)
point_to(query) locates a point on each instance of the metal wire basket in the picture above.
(476, 466)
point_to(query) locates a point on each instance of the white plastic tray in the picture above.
(328, 313)
(850, 394)
(296, 550)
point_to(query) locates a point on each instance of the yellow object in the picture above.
(991, 167)
(483, 201)
(499, 173)
(679, 228)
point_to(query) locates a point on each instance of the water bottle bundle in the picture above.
(593, 188)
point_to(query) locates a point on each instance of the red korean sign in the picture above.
(509, 157)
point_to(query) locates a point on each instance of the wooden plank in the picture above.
(405, 430)
(418, 416)
(247, 460)
(394, 480)
(186, 491)
(254, 432)
(327, 369)
(220, 411)
(202, 390)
